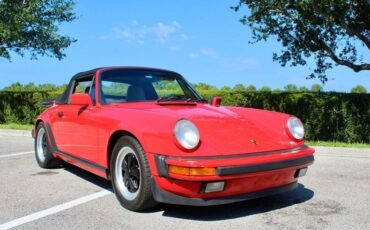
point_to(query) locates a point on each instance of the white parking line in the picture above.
(53, 210)
(15, 154)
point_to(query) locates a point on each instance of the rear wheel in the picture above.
(43, 154)
(131, 176)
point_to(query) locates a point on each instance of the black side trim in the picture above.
(222, 171)
(83, 161)
(160, 162)
(51, 138)
(170, 198)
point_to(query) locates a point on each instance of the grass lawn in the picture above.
(337, 144)
(16, 126)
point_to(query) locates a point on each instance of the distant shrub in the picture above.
(328, 116)
(22, 107)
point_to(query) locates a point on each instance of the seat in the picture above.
(135, 93)
(92, 93)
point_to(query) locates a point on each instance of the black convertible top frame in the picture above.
(63, 99)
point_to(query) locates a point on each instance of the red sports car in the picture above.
(150, 133)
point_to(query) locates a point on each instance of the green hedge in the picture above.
(22, 107)
(328, 116)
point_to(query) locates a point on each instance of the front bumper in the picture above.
(246, 176)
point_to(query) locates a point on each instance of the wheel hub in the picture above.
(130, 172)
(127, 173)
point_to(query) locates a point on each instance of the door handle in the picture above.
(60, 114)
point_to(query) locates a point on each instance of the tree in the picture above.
(226, 88)
(291, 88)
(358, 89)
(265, 89)
(239, 87)
(251, 88)
(14, 87)
(303, 89)
(316, 88)
(329, 31)
(204, 86)
(32, 26)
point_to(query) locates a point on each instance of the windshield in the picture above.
(132, 85)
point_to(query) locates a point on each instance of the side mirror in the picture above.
(216, 101)
(81, 99)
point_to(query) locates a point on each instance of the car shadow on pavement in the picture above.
(241, 209)
(212, 213)
(92, 178)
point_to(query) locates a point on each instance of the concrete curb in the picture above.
(15, 133)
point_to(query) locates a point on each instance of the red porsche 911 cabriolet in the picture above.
(150, 133)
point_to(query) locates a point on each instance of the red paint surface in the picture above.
(85, 131)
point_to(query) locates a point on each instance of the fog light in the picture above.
(213, 187)
(300, 172)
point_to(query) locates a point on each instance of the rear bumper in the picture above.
(171, 198)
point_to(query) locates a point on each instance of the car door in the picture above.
(75, 127)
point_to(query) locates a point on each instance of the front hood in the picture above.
(230, 130)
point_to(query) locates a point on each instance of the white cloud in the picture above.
(205, 52)
(193, 55)
(184, 36)
(174, 48)
(139, 33)
(176, 24)
(230, 63)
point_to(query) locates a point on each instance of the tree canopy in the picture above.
(358, 89)
(32, 26)
(327, 31)
(316, 88)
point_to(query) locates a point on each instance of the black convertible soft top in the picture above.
(63, 99)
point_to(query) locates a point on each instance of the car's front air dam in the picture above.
(233, 185)
(163, 196)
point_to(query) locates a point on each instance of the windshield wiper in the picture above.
(197, 99)
(174, 97)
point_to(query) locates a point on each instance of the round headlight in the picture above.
(187, 134)
(295, 127)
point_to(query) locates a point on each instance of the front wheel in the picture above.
(43, 154)
(131, 176)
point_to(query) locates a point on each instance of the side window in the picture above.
(85, 86)
(114, 92)
(82, 87)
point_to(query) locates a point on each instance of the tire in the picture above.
(131, 176)
(43, 154)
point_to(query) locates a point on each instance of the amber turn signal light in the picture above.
(192, 171)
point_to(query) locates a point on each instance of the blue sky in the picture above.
(202, 40)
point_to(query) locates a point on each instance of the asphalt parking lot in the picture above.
(335, 194)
